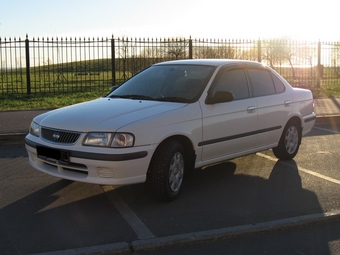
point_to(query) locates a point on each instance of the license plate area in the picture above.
(53, 155)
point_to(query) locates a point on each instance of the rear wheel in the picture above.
(166, 171)
(289, 142)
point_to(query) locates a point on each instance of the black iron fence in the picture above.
(57, 65)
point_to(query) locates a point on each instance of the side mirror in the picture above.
(219, 97)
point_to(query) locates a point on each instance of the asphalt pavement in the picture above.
(14, 124)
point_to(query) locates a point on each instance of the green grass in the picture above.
(25, 102)
(326, 91)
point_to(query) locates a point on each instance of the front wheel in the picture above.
(289, 142)
(166, 170)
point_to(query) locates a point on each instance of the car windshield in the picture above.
(173, 83)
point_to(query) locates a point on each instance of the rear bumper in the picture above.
(308, 123)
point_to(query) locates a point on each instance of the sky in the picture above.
(208, 19)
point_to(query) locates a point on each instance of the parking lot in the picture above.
(238, 198)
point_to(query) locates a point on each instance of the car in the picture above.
(170, 118)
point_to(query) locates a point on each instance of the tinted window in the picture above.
(234, 81)
(279, 87)
(262, 82)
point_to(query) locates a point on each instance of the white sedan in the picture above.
(170, 118)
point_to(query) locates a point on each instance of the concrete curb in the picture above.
(166, 242)
(327, 119)
(231, 232)
(115, 248)
(12, 138)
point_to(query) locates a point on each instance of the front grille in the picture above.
(59, 136)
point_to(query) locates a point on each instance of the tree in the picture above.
(176, 48)
(272, 52)
(278, 52)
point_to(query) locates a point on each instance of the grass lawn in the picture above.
(25, 102)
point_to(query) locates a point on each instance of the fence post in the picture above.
(113, 61)
(190, 48)
(28, 73)
(319, 67)
(259, 51)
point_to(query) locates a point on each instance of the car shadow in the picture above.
(217, 196)
(221, 197)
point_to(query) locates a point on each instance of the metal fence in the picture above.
(57, 65)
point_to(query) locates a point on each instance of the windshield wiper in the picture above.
(174, 99)
(132, 96)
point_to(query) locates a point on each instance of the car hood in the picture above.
(103, 114)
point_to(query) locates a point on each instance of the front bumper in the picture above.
(105, 166)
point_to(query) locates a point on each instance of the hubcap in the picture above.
(176, 172)
(292, 139)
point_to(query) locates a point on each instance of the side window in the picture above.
(262, 82)
(234, 81)
(279, 87)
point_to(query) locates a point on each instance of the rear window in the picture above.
(262, 82)
(233, 81)
(279, 87)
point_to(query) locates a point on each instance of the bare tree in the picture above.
(272, 52)
(176, 48)
(289, 51)
(278, 52)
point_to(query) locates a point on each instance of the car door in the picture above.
(228, 127)
(273, 106)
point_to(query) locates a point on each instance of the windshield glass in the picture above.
(174, 83)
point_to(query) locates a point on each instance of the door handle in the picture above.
(251, 109)
(286, 103)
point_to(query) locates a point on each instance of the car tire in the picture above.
(289, 142)
(166, 170)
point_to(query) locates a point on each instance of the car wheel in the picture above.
(166, 171)
(289, 142)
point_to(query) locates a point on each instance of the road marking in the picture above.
(327, 130)
(301, 169)
(137, 225)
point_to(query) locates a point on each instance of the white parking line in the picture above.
(327, 130)
(301, 169)
(137, 225)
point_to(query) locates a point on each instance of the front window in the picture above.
(174, 83)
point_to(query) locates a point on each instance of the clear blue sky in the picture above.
(222, 19)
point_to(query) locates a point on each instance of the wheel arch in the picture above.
(296, 119)
(188, 147)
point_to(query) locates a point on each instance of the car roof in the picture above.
(213, 62)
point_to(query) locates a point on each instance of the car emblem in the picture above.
(56, 136)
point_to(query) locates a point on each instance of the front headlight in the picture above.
(35, 129)
(115, 140)
(98, 139)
